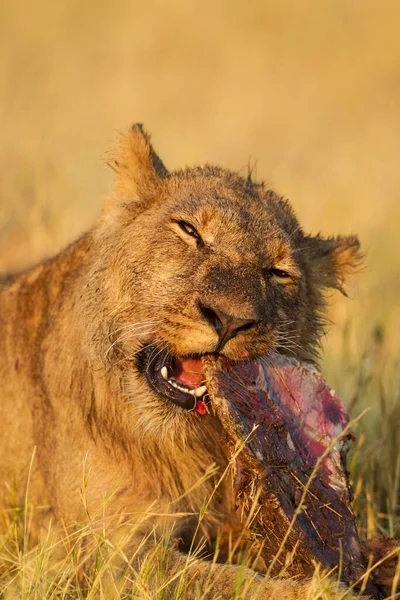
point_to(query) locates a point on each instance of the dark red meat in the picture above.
(291, 470)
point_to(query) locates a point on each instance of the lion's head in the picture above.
(203, 261)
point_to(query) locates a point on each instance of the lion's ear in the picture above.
(138, 169)
(331, 260)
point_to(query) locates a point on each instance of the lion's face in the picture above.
(215, 272)
(206, 262)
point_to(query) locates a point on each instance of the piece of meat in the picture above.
(290, 474)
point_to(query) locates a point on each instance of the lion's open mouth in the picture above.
(179, 379)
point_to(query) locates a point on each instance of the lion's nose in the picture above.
(226, 326)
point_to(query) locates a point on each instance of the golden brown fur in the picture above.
(73, 327)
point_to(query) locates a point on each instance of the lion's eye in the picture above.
(190, 230)
(280, 276)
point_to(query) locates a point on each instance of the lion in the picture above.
(101, 346)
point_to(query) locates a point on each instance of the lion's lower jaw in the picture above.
(152, 418)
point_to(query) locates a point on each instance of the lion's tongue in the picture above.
(189, 372)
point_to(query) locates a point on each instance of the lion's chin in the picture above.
(178, 379)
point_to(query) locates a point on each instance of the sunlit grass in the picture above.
(96, 560)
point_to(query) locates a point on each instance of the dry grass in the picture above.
(307, 90)
(81, 563)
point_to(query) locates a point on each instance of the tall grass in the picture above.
(97, 560)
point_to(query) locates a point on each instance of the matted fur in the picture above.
(71, 328)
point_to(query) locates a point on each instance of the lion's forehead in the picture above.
(231, 220)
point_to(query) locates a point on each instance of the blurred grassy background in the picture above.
(309, 90)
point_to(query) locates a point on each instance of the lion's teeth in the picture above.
(200, 391)
(177, 386)
(197, 393)
(164, 372)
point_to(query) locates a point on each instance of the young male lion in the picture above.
(100, 352)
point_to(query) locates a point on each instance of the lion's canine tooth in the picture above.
(200, 391)
(164, 372)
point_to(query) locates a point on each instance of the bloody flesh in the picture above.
(286, 418)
